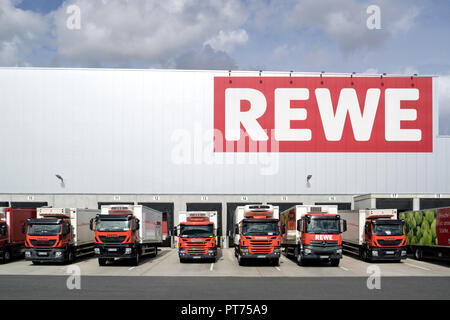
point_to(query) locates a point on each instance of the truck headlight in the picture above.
(404, 252)
(181, 250)
(58, 254)
(97, 250)
(339, 251)
(244, 249)
(277, 250)
(27, 254)
(374, 253)
(308, 251)
(127, 250)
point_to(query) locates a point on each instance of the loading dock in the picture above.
(167, 209)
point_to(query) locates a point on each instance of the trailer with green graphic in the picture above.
(428, 233)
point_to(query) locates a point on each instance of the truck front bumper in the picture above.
(246, 254)
(43, 255)
(186, 256)
(114, 251)
(321, 253)
(396, 253)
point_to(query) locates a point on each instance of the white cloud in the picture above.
(21, 33)
(148, 31)
(226, 41)
(345, 21)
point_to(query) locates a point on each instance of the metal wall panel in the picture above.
(144, 132)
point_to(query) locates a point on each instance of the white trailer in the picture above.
(374, 234)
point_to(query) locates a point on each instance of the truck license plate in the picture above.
(260, 256)
(324, 257)
(390, 252)
(112, 249)
(42, 253)
(196, 257)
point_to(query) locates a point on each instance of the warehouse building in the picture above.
(87, 137)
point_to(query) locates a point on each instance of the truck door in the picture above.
(167, 209)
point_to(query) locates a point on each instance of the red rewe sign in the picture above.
(329, 114)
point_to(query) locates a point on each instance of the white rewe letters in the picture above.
(284, 114)
(394, 115)
(234, 117)
(333, 124)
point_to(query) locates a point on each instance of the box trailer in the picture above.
(197, 235)
(12, 238)
(428, 233)
(256, 233)
(312, 232)
(375, 234)
(59, 235)
(126, 231)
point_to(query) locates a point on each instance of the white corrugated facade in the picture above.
(123, 131)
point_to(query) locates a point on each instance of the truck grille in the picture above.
(390, 243)
(261, 246)
(325, 244)
(119, 239)
(196, 248)
(42, 243)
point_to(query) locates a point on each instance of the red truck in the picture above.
(197, 235)
(375, 234)
(256, 233)
(313, 233)
(12, 239)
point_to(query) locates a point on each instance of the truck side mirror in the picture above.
(2, 230)
(406, 226)
(344, 225)
(91, 224)
(137, 225)
(236, 229)
(299, 225)
(23, 228)
(283, 229)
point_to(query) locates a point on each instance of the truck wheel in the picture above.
(135, 260)
(335, 262)
(35, 262)
(6, 256)
(364, 256)
(70, 257)
(241, 260)
(156, 251)
(101, 262)
(418, 254)
(300, 260)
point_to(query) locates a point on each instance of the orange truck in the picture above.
(256, 233)
(375, 234)
(197, 235)
(12, 239)
(312, 233)
(126, 232)
(59, 235)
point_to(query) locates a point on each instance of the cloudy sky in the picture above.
(300, 35)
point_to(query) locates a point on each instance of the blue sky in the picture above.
(299, 35)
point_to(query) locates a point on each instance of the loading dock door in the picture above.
(100, 204)
(431, 203)
(340, 205)
(27, 204)
(4, 204)
(206, 206)
(285, 205)
(167, 209)
(400, 204)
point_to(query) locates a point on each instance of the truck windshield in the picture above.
(188, 231)
(388, 229)
(113, 225)
(323, 226)
(44, 229)
(260, 229)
